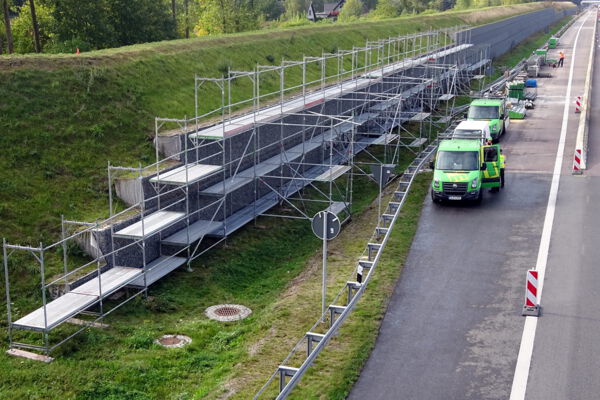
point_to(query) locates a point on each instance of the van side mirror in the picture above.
(431, 165)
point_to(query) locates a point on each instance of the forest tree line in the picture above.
(65, 26)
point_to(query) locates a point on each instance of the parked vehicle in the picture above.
(464, 165)
(492, 110)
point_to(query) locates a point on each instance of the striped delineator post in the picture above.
(531, 307)
(577, 162)
(578, 104)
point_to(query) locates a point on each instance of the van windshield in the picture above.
(458, 160)
(483, 112)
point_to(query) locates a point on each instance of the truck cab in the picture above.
(463, 168)
(494, 112)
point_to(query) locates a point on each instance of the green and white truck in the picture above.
(464, 165)
(492, 110)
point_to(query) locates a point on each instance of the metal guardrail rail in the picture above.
(369, 260)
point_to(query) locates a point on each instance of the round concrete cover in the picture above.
(173, 341)
(227, 312)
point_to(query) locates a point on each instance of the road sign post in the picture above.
(326, 226)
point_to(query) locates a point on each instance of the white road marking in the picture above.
(521, 376)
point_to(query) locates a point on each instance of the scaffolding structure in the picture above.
(210, 179)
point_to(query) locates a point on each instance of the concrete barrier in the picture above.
(581, 143)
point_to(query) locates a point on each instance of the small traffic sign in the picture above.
(333, 224)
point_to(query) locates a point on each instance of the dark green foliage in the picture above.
(112, 23)
(139, 21)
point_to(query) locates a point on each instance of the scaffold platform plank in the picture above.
(247, 214)
(194, 232)
(157, 269)
(418, 142)
(420, 116)
(182, 175)
(337, 207)
(57, 311)
(332, 173)
(78, 299)
(478, 77)
(386, 104)
(29, 355)
(150, 224)
(110, 281)
(446, 97)
(266, 167)
(385, 139)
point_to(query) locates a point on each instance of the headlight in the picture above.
(436, 182)
(474, 183)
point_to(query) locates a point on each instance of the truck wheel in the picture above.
(479, 197)
(433, 199)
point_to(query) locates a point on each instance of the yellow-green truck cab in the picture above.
(463, 168)
(492, 110)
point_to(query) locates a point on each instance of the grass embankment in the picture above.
(62, 117)
(59, 125)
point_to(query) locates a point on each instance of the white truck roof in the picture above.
(481, 126)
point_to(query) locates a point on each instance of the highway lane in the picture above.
(453, 326)
(565, 354)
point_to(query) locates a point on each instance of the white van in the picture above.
(474, 129)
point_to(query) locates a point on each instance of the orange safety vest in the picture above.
(561, 55)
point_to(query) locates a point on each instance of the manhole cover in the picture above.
(173, 341)
(227, 312)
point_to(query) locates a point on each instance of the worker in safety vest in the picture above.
(561, 58)
(502, 165)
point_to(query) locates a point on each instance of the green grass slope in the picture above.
(62, 117)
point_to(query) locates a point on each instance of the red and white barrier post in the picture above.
(531, 307)
(578, 105)
(577, 162)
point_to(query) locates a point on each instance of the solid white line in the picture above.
(521, 376)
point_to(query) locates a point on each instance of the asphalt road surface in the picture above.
(453, 327)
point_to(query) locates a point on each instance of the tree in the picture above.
(186, 10)
(111, 23)
(387, 9)
(36, 28)
(9, 37)
(140, 21)
(225, 16)
(86, 23)
(22, 28)
(352, 9)
(294, 8)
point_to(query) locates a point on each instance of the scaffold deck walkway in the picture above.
(186, 176)
(194, 232)
(244, 122)
(150, 224)
(157, 269)
(78, 299)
